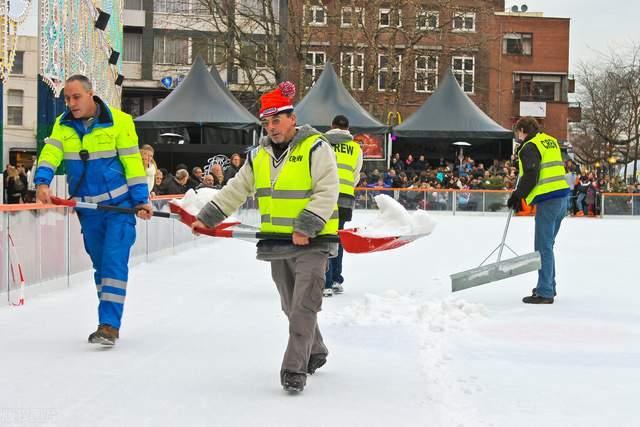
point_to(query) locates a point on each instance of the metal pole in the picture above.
(5, 250)
(67, 244)
(454, 201)
(602, 199)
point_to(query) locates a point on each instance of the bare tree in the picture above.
(610, 95)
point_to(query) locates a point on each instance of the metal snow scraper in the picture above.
(499, 270)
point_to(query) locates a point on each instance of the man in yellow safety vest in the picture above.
(294, 176)
(542, 183)
(349, 159)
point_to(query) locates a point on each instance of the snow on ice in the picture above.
(203, 337)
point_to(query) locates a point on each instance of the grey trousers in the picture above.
(300, 282)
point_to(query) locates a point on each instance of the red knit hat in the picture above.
(278, 101)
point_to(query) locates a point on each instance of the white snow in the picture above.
(203, 337)
(193, 200)
(394, 220)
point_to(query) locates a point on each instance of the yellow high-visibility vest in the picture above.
(552, 171)
(347, 155)
(281, 203)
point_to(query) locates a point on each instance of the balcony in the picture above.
(575, 112)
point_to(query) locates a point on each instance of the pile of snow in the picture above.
(194, 200)
(394, 220)
(392, 307)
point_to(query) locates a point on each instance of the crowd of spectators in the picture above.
(181, 181)
(414, 174)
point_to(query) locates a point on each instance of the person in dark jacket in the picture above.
(178, 183)
(233, 168)
(542, 183)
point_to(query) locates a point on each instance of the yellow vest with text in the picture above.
(281, 203)
(347, 154)
(552, 171)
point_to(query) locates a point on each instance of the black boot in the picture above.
(536, 299)
(293, 381)
(316, 361)
(534, 293)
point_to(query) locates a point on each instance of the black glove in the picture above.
(515, 202)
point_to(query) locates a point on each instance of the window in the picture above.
(204, 7)
(464, 21)
(539, 88)
(209, 50)
(388, 73)
(171, 6)
(316, 15)
(18, 63)
(133, 4)
(352, 17)
(389, 18)
(426, 78)
(464, 70)
(352, 71)
(132, 46)
(313, 67)
(170, 50)
(253, 54)
(132, 105)
(14, 107)
(427, 20)
(517, 44)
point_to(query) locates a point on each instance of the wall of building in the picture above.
(549, 56)
(23, 136)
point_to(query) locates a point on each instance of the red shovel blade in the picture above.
(188, 219)
(354, 243)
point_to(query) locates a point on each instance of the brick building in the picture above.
(530, 76)
(392, 55)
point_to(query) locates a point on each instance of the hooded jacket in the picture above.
(311, 221)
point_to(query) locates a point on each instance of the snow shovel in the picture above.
(86, 205)
(351, 241)
(499, 270)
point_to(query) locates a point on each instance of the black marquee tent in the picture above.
(209, 112)
(327, 98)
(448, 116)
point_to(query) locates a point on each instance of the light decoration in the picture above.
(70, 44)
(12, 14)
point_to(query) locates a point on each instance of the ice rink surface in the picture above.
(203, 336)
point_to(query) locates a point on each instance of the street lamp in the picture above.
(461, 144)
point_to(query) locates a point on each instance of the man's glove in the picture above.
(515, 202)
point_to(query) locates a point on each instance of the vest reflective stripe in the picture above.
(346, 167)
(54, 142)
(347, 159)
(46, 164)
(127, 151)
(281, 204)
(137, 180)
(104, 196)
(552, 179)
(92, 156)
(552, 172)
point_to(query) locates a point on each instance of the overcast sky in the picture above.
(597, 26)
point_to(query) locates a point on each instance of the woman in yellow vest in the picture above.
(293, 174)
(542, 183)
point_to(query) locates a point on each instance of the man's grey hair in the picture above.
(182, 173)
(86, 83)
